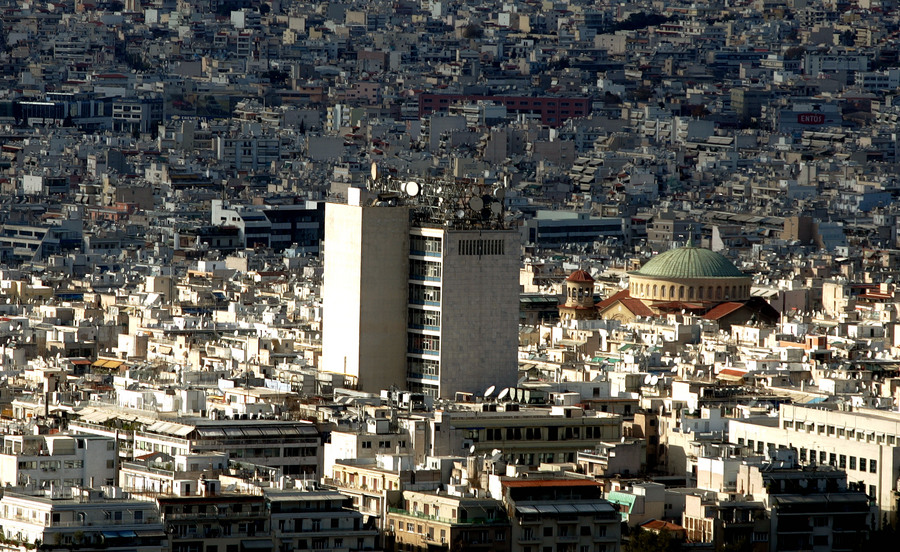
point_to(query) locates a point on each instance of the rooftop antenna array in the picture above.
(460, 203)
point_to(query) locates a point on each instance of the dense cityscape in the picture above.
(535, 276)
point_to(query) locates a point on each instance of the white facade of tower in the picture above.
(422, 307)
(365, 293)
(481, 299)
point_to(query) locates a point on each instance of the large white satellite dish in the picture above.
(489, 391)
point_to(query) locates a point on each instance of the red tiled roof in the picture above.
(635, 306)
(624, 294)
(731, 372)
(579, 276)
(722, 310)
(660, 525)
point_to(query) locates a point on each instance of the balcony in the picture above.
(473, 521)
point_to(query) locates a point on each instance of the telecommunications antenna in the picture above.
(411, 189)
(476, 203)
(496, 208)
(503, 394)
(489, 391)
(374, 171)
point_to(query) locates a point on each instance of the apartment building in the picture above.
(528, 437)
(425, 520)
(566, 515)
(292, 447)
(84, 518)
(862, 442)
(45, 461)
(306, 520)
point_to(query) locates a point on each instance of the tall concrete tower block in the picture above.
(365, 293)
(426, 304)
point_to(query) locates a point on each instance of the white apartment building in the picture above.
(86, 518)
(863, 442)
(45, 461)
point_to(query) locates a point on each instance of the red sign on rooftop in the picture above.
(811, 118)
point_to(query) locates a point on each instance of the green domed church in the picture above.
(693, 280)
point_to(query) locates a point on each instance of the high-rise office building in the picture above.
(419, 298)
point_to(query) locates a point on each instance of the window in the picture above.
(548, 531)
(873, 466)
(852, 462)
(842, 461)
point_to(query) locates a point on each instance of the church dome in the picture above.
(689, 262)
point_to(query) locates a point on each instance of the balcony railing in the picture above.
(473, 521)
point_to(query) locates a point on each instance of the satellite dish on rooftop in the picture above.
(460, 214)
(374, 170)
(411, 189)
(503, 394)
(496, 207)
(476, 203)
(472, 449)
(489, 391)
(647, 379)
(654, 380)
